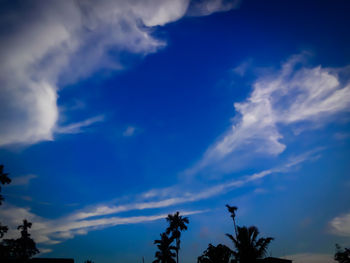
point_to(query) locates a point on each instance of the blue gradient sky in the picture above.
(117, 113)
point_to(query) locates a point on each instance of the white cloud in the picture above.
(205, 7)
(78, 127)
(340, 225)
(54, 231)
(79, 222)
(311, 258)
(57, 42)
(22, 180)
(178, 194)
(294, 95)
(129, 131)
(45, 250)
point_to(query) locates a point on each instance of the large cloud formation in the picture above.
(45, 43)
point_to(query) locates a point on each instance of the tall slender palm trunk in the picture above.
(177, 250)
(234, 223)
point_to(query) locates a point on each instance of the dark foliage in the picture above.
(25, 245)
(20, 249)
(216, 254)
(342, 255)
(4, 179)
(165, 252)
(3, 230)
(248, 248)
(177, 224)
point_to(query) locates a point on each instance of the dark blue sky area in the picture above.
(149, 111)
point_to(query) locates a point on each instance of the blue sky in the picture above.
(116, 113)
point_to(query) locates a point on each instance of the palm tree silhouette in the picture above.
(215, 254)
(165, 253)
(247, 247)
(177, 224)
(232, 210)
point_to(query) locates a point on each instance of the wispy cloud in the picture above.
(45, 250)
(129, 131)
(294, 95)
(207, 7)
(53, 231)
(340, 225)
(176, 195)
(78, 127)
(22, 180)
(342, 135)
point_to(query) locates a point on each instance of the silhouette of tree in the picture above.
(88, 261)
(232, 210)
(25, 246)
(247, 247)
(8, 249)
(22, 248)
(165, 252)
(3, 230)
(342, 256)
(4, 179)
(216, 254)
(24, 228)
(177, 224)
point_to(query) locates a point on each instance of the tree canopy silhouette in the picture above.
(216, 254)
(177, 224)
(4, 179)
(165, 252)
(23, 248)
(342, 255)
(20, 249)
(248, 248)
(25, 245)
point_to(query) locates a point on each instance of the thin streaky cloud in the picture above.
(129, 131)
(78, 127)
(22, 180)
(175, 195)
(45, 250)
(208, 7)
(54, 231)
